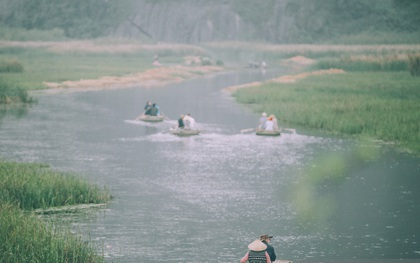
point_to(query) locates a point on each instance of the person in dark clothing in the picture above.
(147, 106)
(266, 239)
(181, 122)
(153, 110)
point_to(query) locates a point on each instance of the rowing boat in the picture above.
(268, 133)
(185, 132)
(150, 118)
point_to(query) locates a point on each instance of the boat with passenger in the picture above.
(267, 126)
(151, 113)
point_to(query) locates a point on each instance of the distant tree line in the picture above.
(309, 20)
(77, 18)
(275, 21)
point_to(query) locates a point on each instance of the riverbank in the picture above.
(90, 65)
(155, 77)
(101, 64)
(25, 188)
(374, 95)
(378, 105)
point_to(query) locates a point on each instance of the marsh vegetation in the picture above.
(378, 79)
(377, 97)
(64, 61)
(25, 187)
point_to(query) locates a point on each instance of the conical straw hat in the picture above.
(257, 245)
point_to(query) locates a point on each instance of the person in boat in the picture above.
(263, 119)
(189, 121)
(263, 65)
(269, 124)
(147, 108)
(266, 239)
(156, 61)
(181, 122)
(157, 107)
(275, 122)
(257, 253)
(153, 111)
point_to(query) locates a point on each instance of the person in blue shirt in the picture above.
(261, 123)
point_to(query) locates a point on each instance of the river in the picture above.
(205, 198)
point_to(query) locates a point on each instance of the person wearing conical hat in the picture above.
(257, 253)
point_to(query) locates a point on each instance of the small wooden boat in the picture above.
(150, 118)
(268, 133)
(185, 132)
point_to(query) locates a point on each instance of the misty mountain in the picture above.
(195, 21)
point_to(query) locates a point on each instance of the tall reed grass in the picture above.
(242, 52)
(414, 64)
(12, 93)
(25, 238)
(382, 105)
(32, 186)
(11, 66)
(377, 38)
(365, 63)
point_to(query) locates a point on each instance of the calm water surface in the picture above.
(204, 198)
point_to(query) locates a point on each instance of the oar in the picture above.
(247, 130)
(166, 117)
(138, 118)
(289, 129)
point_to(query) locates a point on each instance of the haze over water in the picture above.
(204, 198)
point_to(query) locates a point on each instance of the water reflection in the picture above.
(360, 203)
(14, 110)
(315, 195)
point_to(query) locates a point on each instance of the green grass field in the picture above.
(59, 61)
(42, 65)
(380, 105)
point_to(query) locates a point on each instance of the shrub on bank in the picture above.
(25, 238)
(10, 93)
